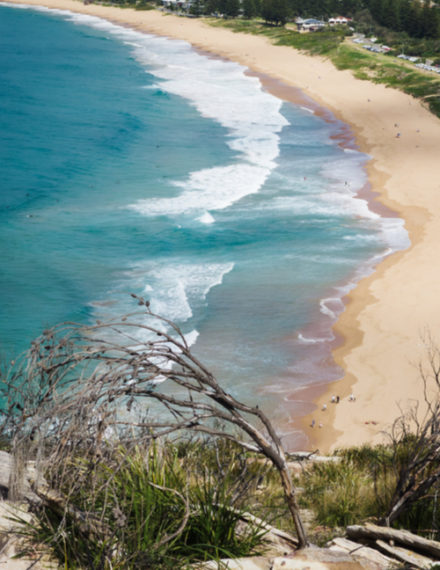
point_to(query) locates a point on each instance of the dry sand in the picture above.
(387, 313)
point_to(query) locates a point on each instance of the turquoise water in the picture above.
(131, 163)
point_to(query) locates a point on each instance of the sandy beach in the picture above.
(388, 313)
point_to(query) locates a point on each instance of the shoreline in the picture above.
(386, 312)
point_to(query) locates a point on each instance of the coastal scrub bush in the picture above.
(339, 493)
(148, 508)
(364, 485)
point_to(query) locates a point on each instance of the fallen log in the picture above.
(88, 523)
(403, 537)
(360, 550)
(406, 556)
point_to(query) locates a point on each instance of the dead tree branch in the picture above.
(135, 377)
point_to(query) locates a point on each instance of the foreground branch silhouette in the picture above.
(134, 378)
(415, 439)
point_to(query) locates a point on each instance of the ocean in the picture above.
(131, 163)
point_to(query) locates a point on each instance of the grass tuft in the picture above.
(155, 508)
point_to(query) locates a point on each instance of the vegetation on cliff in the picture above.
(142, 459)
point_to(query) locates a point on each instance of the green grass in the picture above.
(360, 488)
(320, 43)
(331, 43)
(170, 505)
(340, 494)
(383, 69)
(162, 507)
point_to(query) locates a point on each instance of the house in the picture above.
(177, 5)
(339, 21)
(310, 25)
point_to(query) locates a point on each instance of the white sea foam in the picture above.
(347, 177)
(175, 289)
(395, 234)
(205, 190)
(347, 173)
(350, 150)
(191, 337)
(308, 340)
(325, 204)
(221, 91)
(326, 310)
(171, 300)
(206, 218)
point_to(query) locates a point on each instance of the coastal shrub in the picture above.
(434, 105)
(148, 508)
(376, 463)
(364, 486)
(323, 42)
(338, 493)
(356, 488)
(416, 466)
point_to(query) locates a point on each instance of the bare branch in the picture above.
(86, 387)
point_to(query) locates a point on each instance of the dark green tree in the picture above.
(376, 9)
(391, 14)
(196, 8)
(212, 7)
(274, 11)
(249, 9)
(415, 23)
(349, 7)
(232, 8)
(430, 21)
(405, 14)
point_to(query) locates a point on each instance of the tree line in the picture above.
(417, 19)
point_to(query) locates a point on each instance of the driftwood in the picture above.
(403, 537)
(360, 550)
(407, 556)
(87, 523)
(274, 537)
